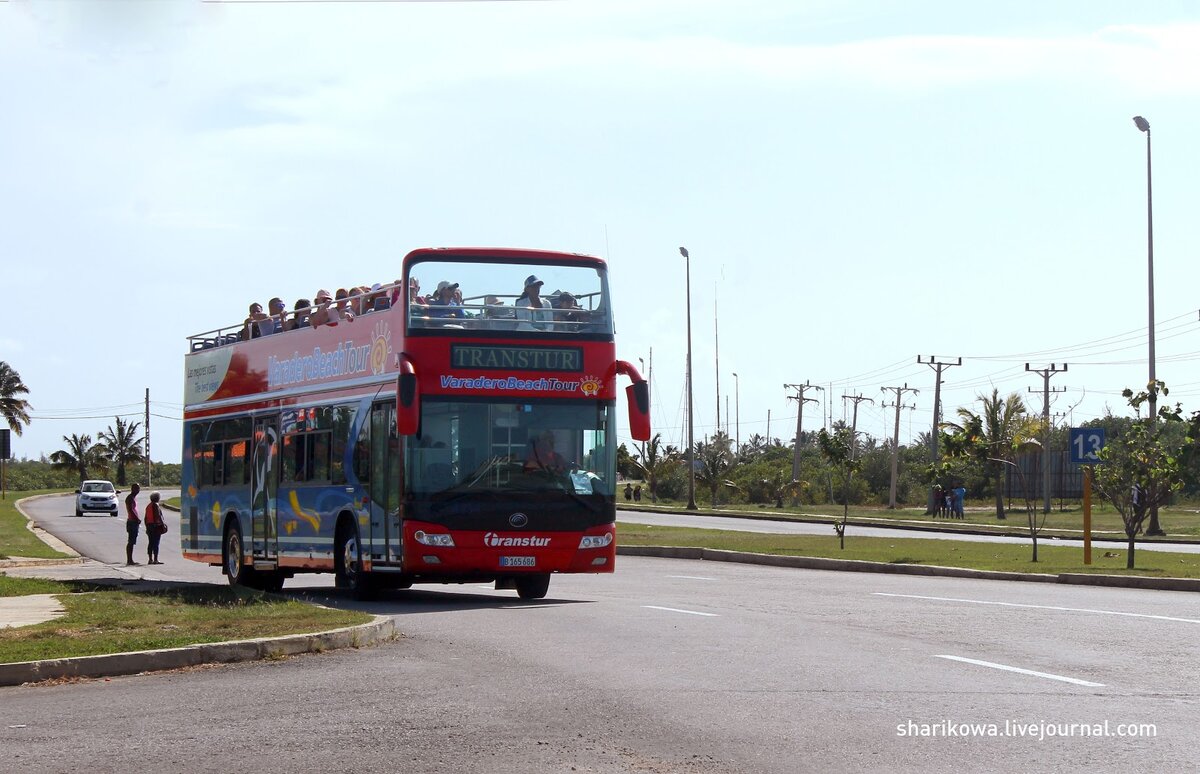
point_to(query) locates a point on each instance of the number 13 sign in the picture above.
(1086, 443)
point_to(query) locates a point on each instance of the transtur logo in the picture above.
(493, 540)
(590, 385)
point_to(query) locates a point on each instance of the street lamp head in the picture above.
(683, 252)
(1142, 123)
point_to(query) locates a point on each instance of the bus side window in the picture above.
(319, 456)
(362, 457)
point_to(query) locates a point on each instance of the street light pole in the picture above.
(737, 412)
(1143, 125)
(691, 455)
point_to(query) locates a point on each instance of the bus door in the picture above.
(265, 486)
(385, 540)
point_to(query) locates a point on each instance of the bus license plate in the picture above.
(517, 561)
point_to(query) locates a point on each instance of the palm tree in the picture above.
(994, 433)
(14, 410)
(80, 455)
(656, 463)
(716, 460)
(781, 485)
(122, 446)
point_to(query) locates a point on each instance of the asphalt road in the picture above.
(670, 666)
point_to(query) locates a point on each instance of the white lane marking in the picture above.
(677, 610)
(691, 577)
(1018, 670)
(1042, 607)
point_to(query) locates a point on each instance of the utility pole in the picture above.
(800, 401)
(717, 359)
(854, 422)
(1046, 373)
(147, 439)
(938, 366)
(899, 404)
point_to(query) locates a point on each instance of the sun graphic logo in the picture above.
(590, 386)
(381, 347)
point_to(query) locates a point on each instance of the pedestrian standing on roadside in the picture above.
(960, 495)
(155, 527)
(132, 522)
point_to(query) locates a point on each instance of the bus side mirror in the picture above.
(408, 400)
(638, 395)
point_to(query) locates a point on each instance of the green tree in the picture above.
(81, 455)
(837, 448)
(715, 459)
(1141, 468)
(992, 435)
(655, 464)
(122, 446)
(13, 408)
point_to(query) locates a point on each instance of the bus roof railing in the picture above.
(355, 299)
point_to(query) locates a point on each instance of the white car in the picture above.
(92, 496)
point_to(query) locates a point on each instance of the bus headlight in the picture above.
(596, 541)
(441, 540)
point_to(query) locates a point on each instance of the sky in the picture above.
(858, 184)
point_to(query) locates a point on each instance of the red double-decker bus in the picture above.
(467, 436)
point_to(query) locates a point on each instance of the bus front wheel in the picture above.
(532, 586)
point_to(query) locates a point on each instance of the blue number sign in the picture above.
(1086, 443)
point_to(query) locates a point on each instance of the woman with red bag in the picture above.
(155, 527)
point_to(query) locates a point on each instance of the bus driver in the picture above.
(542, 455)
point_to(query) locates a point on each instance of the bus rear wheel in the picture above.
(234, 559)
(532, 586)
(348, 573)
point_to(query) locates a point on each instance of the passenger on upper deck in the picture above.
(377, 300)
(443, 305)
(321, 314)
(342, 308)
(528, 305)
(569, 311)
(250, 326)
(300, 313)
(414, 292)
(278, 312)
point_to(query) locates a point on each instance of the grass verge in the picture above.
(15, 537)
(1181, 521)
(1003, 557)
(102, 620)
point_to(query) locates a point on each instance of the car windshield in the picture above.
(98, 486)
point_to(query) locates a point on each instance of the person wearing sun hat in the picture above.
(533, 311)
(442, 303)
(321, 314)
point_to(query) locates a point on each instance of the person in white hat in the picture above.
(443, 304)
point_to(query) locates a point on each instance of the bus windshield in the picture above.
(512, 447)
(476, 295)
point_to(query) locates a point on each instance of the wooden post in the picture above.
(1087, 514)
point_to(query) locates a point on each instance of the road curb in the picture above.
(857, 565)
(380, 629)
(41, 534)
